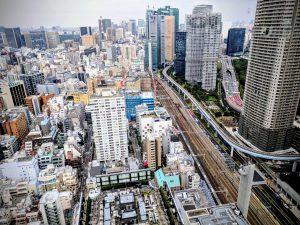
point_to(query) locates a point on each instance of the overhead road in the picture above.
(235, 145)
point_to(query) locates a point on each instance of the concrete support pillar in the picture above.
(246, 181)
(231, 151)
(294, 166)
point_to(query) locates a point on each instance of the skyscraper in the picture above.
(109, 125)
(203, 29)
(39, 39)
(31, 81)
(273, 83)
(180, 47)
(100, 28)
(160, 34)
(169, 36)
(167, 10)
(106, 23)
(85, 31)
(132, 27)
(13, 37)
(141, 23)
(52, 38)
(18, 93)
(152, 39)
(235, 41)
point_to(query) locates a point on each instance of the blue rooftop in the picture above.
(172, 181)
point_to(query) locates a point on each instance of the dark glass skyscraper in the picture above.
(85, 31)
(106, 23)
(13, 37)
(235, 41)
(180, 47)
(38, 39)
(31, 81)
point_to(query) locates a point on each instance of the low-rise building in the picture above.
(20, 167)
(8, 146)
(48, 153)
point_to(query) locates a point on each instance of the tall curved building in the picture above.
(273, 78)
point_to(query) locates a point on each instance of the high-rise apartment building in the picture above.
(52, 209)
(273, 82)
(31, 81)
(152, 152)
(14, 123)
(109, 125)
(13, 37)
(85, 31)
(203, 29)
(180, 47)
(235, 41)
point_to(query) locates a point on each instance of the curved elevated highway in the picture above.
(226, 137)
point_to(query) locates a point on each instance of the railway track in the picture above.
(224, 181)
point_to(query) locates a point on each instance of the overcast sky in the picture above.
(74, 13)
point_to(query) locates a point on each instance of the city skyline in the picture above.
(68, 13)
(181, 112)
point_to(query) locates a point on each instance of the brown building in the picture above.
(169, 38)
(152, 150)
(15, 124)
(46, 97)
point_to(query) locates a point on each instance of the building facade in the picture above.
(180, 48)
(109, 125)
(273, 83)
(31, 81)
(235, 41)
(203, 36)
(52, 209)
(13, 37)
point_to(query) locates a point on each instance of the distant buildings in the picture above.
(160, 37)
(13, 37)
(85, 31)
(39, 39)
(106, 23)
(203, 33)
(167, 10)
(235, 41)
(180, 48)
(273, 82)
(109, 125)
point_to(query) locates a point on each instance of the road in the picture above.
(224, 181)
(228, 138)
